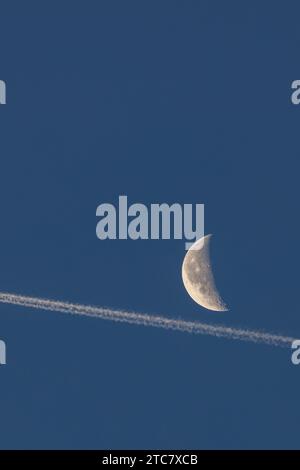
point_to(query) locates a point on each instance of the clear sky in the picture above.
(163, 101)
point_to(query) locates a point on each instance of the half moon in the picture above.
(198, 277)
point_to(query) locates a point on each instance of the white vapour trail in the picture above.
(147, 320)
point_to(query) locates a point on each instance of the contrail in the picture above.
(147, 320)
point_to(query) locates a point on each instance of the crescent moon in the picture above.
(198, 277)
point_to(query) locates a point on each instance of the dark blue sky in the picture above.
(163, 101)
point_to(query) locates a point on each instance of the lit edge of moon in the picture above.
(198, 277)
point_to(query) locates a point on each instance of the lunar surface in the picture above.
(198, 277)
